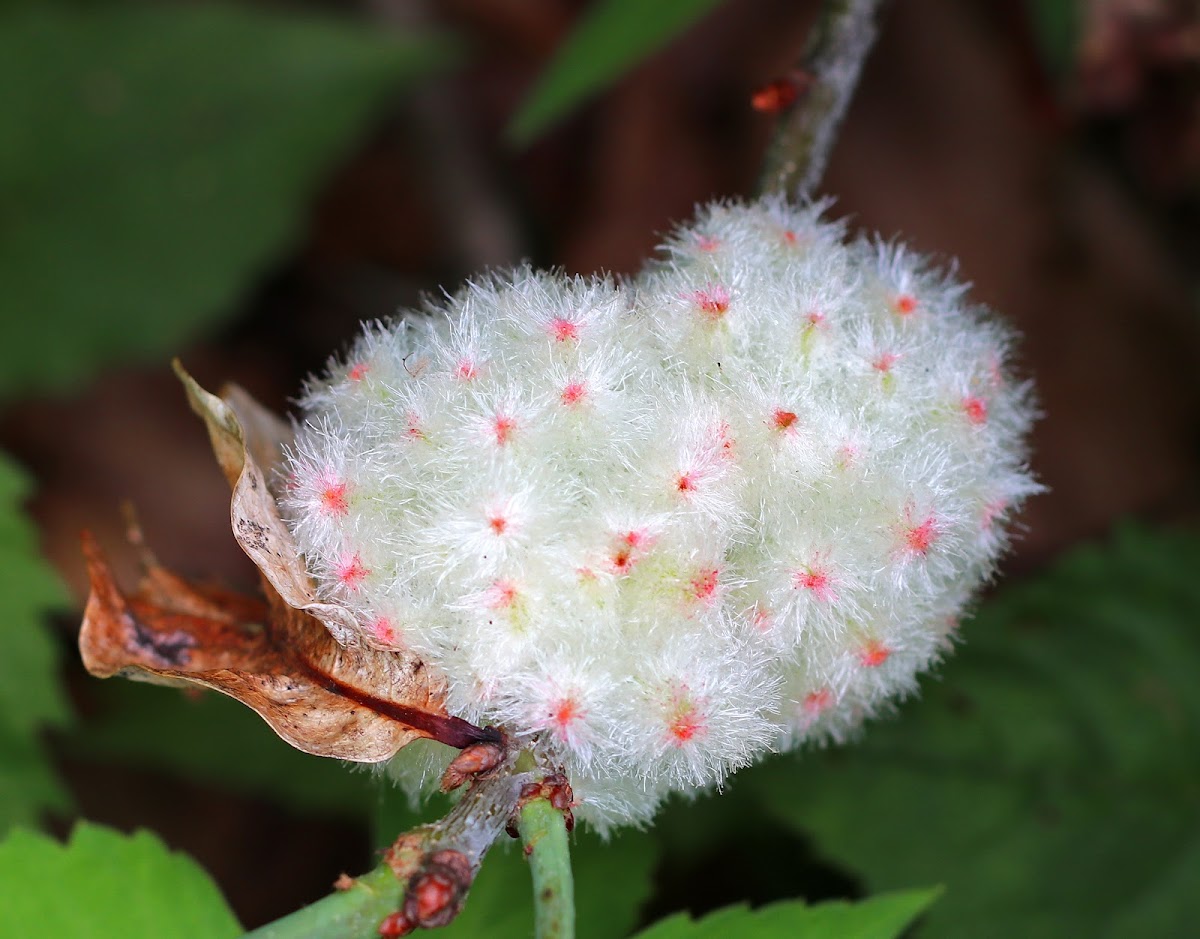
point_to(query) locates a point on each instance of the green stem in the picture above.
(544, 834)
(348, 914)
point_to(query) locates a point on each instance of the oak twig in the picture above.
(833, 56)
(424, 876)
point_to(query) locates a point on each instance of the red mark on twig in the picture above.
(781, 93)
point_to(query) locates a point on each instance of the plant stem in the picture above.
(348, 914)
(832, 60)
(544, 834)
(470, 827)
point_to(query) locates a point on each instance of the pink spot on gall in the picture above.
(712, 301)
(816, 579)
(564, 712)
(350, 571)
(783, 420)
(334, 496)
(625, 553)
(503, 429)
(873, 654)
(975, 409)
(573, 393)
(466, 370)
(905, 304)
(883, 362)
(919, 538)
(383, 630)
(502, 595)
(564, 330)
(685, 722)
(704, 585)
(635, 538)
(817, 701)
(685, 726)
(358, 372)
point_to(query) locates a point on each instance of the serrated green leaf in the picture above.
(882, 917)
(1051, 779)
(154, 160)
(612, 881)
(103, 884)
(30, 692)
(611, 37)
(213, 739)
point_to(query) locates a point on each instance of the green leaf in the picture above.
(154, 160)
(1056, 27)
(30, 693)
(612, 36)
(213, 739)
(29, 786)
(882, 917)
(612, 881)
(104, 884)
(1051, 779)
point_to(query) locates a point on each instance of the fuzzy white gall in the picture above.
(667, 527)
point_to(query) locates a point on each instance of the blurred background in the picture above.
(241, 184)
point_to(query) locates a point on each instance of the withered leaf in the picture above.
(281, 657)
(243, 433)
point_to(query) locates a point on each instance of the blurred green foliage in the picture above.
(212, 739)
(1051, 778)
(883, 917)
(155, 160)
(610, 38)
(30, 696)
(1056, 27)
(103, 884)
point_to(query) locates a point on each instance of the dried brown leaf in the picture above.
(292, 659)
(245, 438)
(352, 704)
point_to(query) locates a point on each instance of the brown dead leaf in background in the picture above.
(282, 658)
